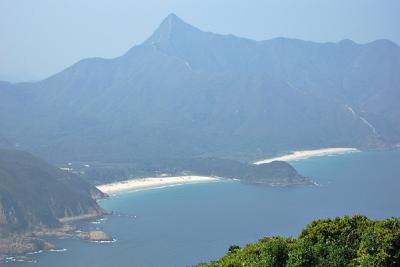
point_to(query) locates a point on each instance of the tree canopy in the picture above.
(343, 241)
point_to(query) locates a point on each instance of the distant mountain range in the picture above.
(188, 93)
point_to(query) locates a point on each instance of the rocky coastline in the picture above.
(21, 246)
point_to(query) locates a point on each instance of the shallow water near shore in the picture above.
(187, 224)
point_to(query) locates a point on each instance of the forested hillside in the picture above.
(35, 194)
(188, 93)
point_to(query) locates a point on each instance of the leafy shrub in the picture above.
(346, 241)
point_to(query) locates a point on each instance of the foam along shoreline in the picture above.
(304, 154)
(152, 182)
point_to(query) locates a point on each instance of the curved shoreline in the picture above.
(304, 154)
(153, 182)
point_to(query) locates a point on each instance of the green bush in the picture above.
(346, 241)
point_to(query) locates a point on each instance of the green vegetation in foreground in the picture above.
(347, 241)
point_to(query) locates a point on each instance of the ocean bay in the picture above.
(184, 225)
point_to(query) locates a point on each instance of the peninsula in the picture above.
(304, 154)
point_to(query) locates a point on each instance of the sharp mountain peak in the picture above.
(171, 25)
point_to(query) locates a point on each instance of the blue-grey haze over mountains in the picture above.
(40, 38)
(137, 93)
(187, 93)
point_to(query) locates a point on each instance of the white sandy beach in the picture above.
(152, 182)
(304, 154)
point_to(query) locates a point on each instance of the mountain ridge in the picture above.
(173, 17)
(204, 94)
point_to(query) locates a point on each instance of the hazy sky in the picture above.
(41, 37)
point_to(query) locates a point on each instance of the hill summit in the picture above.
(187, 93)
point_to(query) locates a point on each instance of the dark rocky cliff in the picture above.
(35, 194)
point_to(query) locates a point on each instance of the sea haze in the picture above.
(184, 225)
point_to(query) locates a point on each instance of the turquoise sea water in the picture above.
(184, 225)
